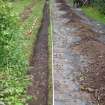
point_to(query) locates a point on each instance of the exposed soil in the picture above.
(39, 63)
(65, 62)
(92, 76)
(27, 11)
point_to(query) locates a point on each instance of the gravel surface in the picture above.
(66, 89)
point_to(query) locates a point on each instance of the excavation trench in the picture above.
(39, 63)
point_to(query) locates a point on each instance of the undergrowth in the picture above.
(94, 14)
(50, 86)
(15, 45)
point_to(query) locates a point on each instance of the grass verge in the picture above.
(94, 14)
(31, 26)
(50, 60)
(19, 5)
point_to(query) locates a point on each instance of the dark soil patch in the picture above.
(27, 11)
(39, 63)
(92, 76)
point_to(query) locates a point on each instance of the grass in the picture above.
(19, 5)
(15, 79)
(94, 14)
(50, 46)
(31, 25)
(30, 28)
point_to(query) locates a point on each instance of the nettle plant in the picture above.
(7, 27)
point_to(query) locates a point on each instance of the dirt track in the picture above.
(39, 63)
(79, 59)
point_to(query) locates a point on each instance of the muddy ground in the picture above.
(91, 46)
(39, 63)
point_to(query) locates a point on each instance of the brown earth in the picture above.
(92, 76)
(39, 63)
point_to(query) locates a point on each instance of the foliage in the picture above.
(100, 5)
(12, 60)
(15, 50)
(7, 27)
(94, 14)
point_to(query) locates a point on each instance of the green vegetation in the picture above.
(95, 10)
(12, 64)
(16, 40)
(94, 14)
(100, 5)
(19, 6)
(50, 86)
(32, 24)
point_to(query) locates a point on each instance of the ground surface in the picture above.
(27, 11)
(39, 64)
(79, 58)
